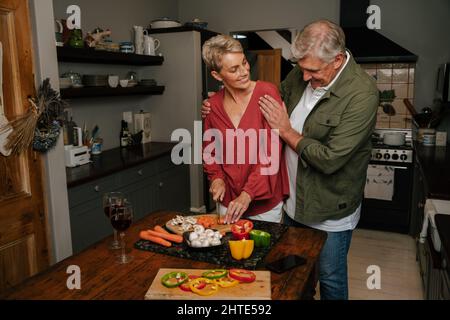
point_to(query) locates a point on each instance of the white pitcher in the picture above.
(139, 34)
(150, 45)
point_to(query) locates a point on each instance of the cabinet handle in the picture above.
(141, 173)
(97, 189)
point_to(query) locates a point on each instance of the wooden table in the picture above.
(102, 278)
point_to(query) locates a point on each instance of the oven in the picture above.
(388, 194)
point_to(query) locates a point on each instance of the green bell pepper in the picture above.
(174, 279)
(261, 238)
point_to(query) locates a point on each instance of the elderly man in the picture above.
(330, 116)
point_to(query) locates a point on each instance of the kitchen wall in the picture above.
(399, 77)
(423, 28)
(120, 17)
(420, 26)
(241, 15)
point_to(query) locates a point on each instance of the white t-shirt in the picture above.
(307, 103)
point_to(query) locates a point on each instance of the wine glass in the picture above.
(111, 201)
(121, 218)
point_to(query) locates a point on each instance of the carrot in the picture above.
(146, 236)
(161, 230)
(207, 222)
(171, 237)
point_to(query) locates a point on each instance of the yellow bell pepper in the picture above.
(241, 249)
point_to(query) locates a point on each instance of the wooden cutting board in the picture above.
(219, 227)
(258, 290)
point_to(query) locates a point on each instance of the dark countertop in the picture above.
(435, 165)
(443, 226)
(115, 160)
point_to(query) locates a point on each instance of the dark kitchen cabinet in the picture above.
(418, 202)
(154, 185)
(433, 271)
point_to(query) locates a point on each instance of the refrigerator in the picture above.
(187, 83)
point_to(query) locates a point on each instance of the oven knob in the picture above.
(378, 156)
(395, 156)
(387, 156)
(403, 157)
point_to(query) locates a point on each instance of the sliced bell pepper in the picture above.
(215, 274)
(241, 229)
(241, 249)
(187, 285)
(242, 275)
(209, 289)
(174, 279)
(226, 282)
(261, 238)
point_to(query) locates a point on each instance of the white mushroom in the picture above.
(196, 244)
(199, 228)
(193, 236)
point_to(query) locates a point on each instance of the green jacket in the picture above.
(335, 151)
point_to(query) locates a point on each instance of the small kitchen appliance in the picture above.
(76, 156)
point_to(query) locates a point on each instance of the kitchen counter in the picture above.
(435, 165)
(103, 279)
(115, 160)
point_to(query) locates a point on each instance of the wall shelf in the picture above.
(89, 92)
(87, 55)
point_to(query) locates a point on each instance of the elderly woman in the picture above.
(240, 179)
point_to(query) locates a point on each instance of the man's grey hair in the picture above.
(322, 39)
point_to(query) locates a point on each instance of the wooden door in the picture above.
(269, 65)
(23, 243)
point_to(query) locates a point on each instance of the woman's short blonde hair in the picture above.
(215, 48)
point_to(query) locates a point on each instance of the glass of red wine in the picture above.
(121, 219)
(111, 201)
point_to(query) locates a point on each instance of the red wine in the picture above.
(121, 223)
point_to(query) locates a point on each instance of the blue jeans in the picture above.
(333, 276)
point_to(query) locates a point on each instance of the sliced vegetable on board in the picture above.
(174, 279)
(242, 275)
(226, 282)
(186, 286)
(209, 289)
(215, 274)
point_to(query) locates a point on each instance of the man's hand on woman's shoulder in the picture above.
(206, 106)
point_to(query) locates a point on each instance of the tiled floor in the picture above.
(395, 255)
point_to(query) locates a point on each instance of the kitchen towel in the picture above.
(380, 183)
(3, 121)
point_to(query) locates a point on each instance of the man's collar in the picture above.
(336, 85)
